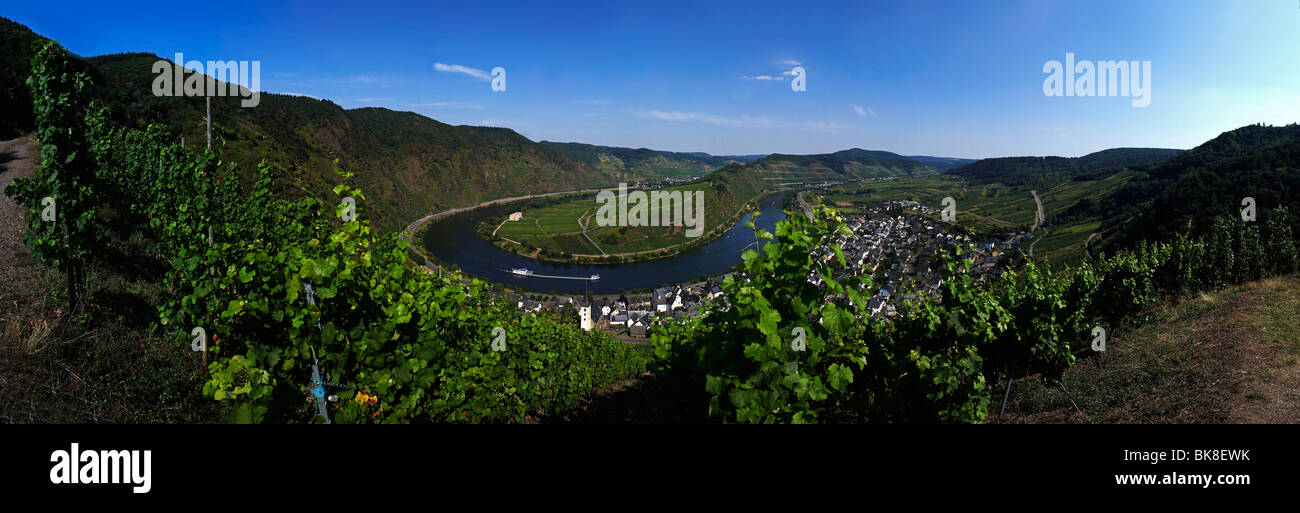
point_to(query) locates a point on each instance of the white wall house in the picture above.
(584, 317)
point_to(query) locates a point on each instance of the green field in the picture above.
(553, 231)
(555, 228)
(1064, 244)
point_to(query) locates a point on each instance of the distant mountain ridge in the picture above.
(742, 158)
(1047, 171)
(942, 164)
(643, 164)
(410, 165)
(842, 166)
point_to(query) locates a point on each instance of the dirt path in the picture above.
(1088, 254)
(1038, 221)
(1038, 215)
(583, 225)
(503, 223)
(415, 226)
(991, 220)
(21, 277)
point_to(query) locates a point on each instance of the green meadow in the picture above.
(554, 231)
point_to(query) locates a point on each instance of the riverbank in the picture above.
(635, 256)
(456, 243)
(415, 226)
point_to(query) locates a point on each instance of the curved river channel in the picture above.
(452, 239)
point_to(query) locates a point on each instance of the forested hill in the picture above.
(842, 166)
(408, 164)
(15, 99)
(738, 158)
(1230, 144)
(1044, 172)
(642, 164)
(1261, 162)
(942, 164)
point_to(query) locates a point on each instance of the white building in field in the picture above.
(515, 216)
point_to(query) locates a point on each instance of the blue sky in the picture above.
(913, 77)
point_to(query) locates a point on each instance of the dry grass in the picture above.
(1223, 357)
(108, 366)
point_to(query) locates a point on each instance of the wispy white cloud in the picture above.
(761, 77)
(447, 105)
(864, 112)
(477, 74)
(363, 79)
(789, 62)
(740, 121)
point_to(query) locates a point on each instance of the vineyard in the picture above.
(296, 300)
(396, 344)
(937, 360)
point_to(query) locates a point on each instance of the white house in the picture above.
(876, 305)
(584, 317)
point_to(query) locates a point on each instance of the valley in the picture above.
(429, 271)
(564, 232)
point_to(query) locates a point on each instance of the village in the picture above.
(899, 244)
(629, 316)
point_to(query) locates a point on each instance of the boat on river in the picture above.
(529, 273)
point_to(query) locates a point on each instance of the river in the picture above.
(452, 240)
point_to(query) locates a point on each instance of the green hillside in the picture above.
(780, 170)
(942, 164)
(641, 164)
(1227, 356)
(1044, 172)
(411, 165)
(1262, 162)
(16, 49)
(15, 65)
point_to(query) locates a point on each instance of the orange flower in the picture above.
(365, 399)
